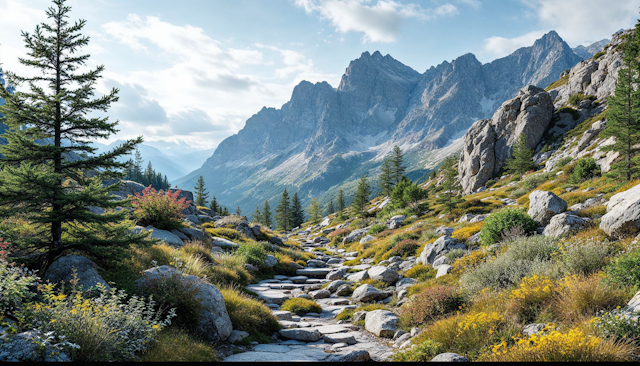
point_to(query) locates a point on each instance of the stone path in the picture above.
(313, 337)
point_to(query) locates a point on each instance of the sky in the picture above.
(191, 72)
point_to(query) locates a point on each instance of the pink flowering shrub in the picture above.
(162, 210)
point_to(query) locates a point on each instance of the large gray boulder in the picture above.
(166, 236)
(62, 271)
(441, 246)
(395, 222)
(382, 323)
(449, 357)
(358, 276)
(368, 293)
(543, 205)
(623, 214)
(489, 142)
(214, 323)
(564, 224)
(222, 242)
(194, 234)
(384, 274)
(355, 235)
(301, 334)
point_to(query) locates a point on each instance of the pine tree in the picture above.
(315, 214)
(397, 195)
(432, 175)
(386, 183)
(623, 114)
(137, 161)
(257, 215)
(361, 198)
(283, 212)
(341, 205)
(214, 205)
(37, 183)
(225, 211)
(266, 214)
(330, 208)
(397, 169)
(130, 170)
(450, 184)
(238, 211)
(521, 160)
(201, 193)
(297, 213)
(412, 195)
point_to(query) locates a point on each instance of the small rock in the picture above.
(449, 357)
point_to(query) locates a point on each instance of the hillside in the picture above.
(326, 138)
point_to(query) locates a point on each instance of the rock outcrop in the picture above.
(441, 246)
(564, 224)
(543, 205)
(86, 271)
(489, 142)
(623, 213)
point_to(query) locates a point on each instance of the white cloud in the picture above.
(379, 22)
(576, 21)
(500, 46)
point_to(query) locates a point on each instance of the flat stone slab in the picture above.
(347, 338)
(275, 348)
(313, 272)
(275, 297)
(301, 334)
(362, 266)
(283, 315)
(296, 354)
(332, 329)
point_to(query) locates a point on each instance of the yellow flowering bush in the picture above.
(531, 294)
(106, 327)
(472, 260)
(466, 232)
(575, 345)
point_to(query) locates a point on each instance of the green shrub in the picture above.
(406, 236)
(598, 55)
(490, 183)
(455, 254)
(534, 180)
(301, 306)
(585, 169)
(162, 210)
(248, 314)
(14, 282)
(564, 161)
(523, 257)
(429, 305)
(106, 327)
(377, 228)
(230, 234)
(506, 219)
(625, 270)
(423, 352)
(253, 253)
(405, 248)
(579, 97)
(421, 272)
(586, 256)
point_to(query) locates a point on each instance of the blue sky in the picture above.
(192, 72)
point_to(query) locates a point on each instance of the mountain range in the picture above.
(324, 139)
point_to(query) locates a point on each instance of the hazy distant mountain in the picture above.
(590, 50)
(325, 138)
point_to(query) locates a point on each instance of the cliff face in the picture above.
(324, 138)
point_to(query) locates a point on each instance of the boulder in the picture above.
(31, 345)
(237, 336)
(336, 275)
(366, 239)
(353, 356)
(382, 323)
(449, 357)
(477, 218)
(591, 134)
(395, 222)
(440, 261)
(489, 142)
(301, 334)
(623, 214)
(214, 322)
(564, 224)
(180, 235)
(384, 274)
(405, 283)
(355, 235)
(222, 242)
(166, 236)
(358, 276)
(443, 230)
(531, 329)
(368, 293)
(320, 294)
(62, 271)
(333, 286)
(314, 263)
(270, 261)
(440, 247)
(194, 234)
(443, 270)
(543, 205)
(344, 290)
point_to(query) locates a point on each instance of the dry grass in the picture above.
(174, 345)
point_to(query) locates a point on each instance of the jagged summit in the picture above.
(325, 138)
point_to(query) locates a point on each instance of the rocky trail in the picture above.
(316, 337)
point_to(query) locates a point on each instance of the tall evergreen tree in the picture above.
(36, 182)
(521, 160)
(257, 215)
(137, 163)
(432, 175)
(225, 211)
(266, 214)
(201, 193)
(397, 168)
(283, 212)
(315, 214)
(623, 114)
(238, 211)
(330, 208)
(361, 199)
(341, 204)
(214, 205)
(297, 213)
(386, 182)
(450, 184)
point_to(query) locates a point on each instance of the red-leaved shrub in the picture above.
(429, 305)
(405, 247)
(162, 210)
(340, 233)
